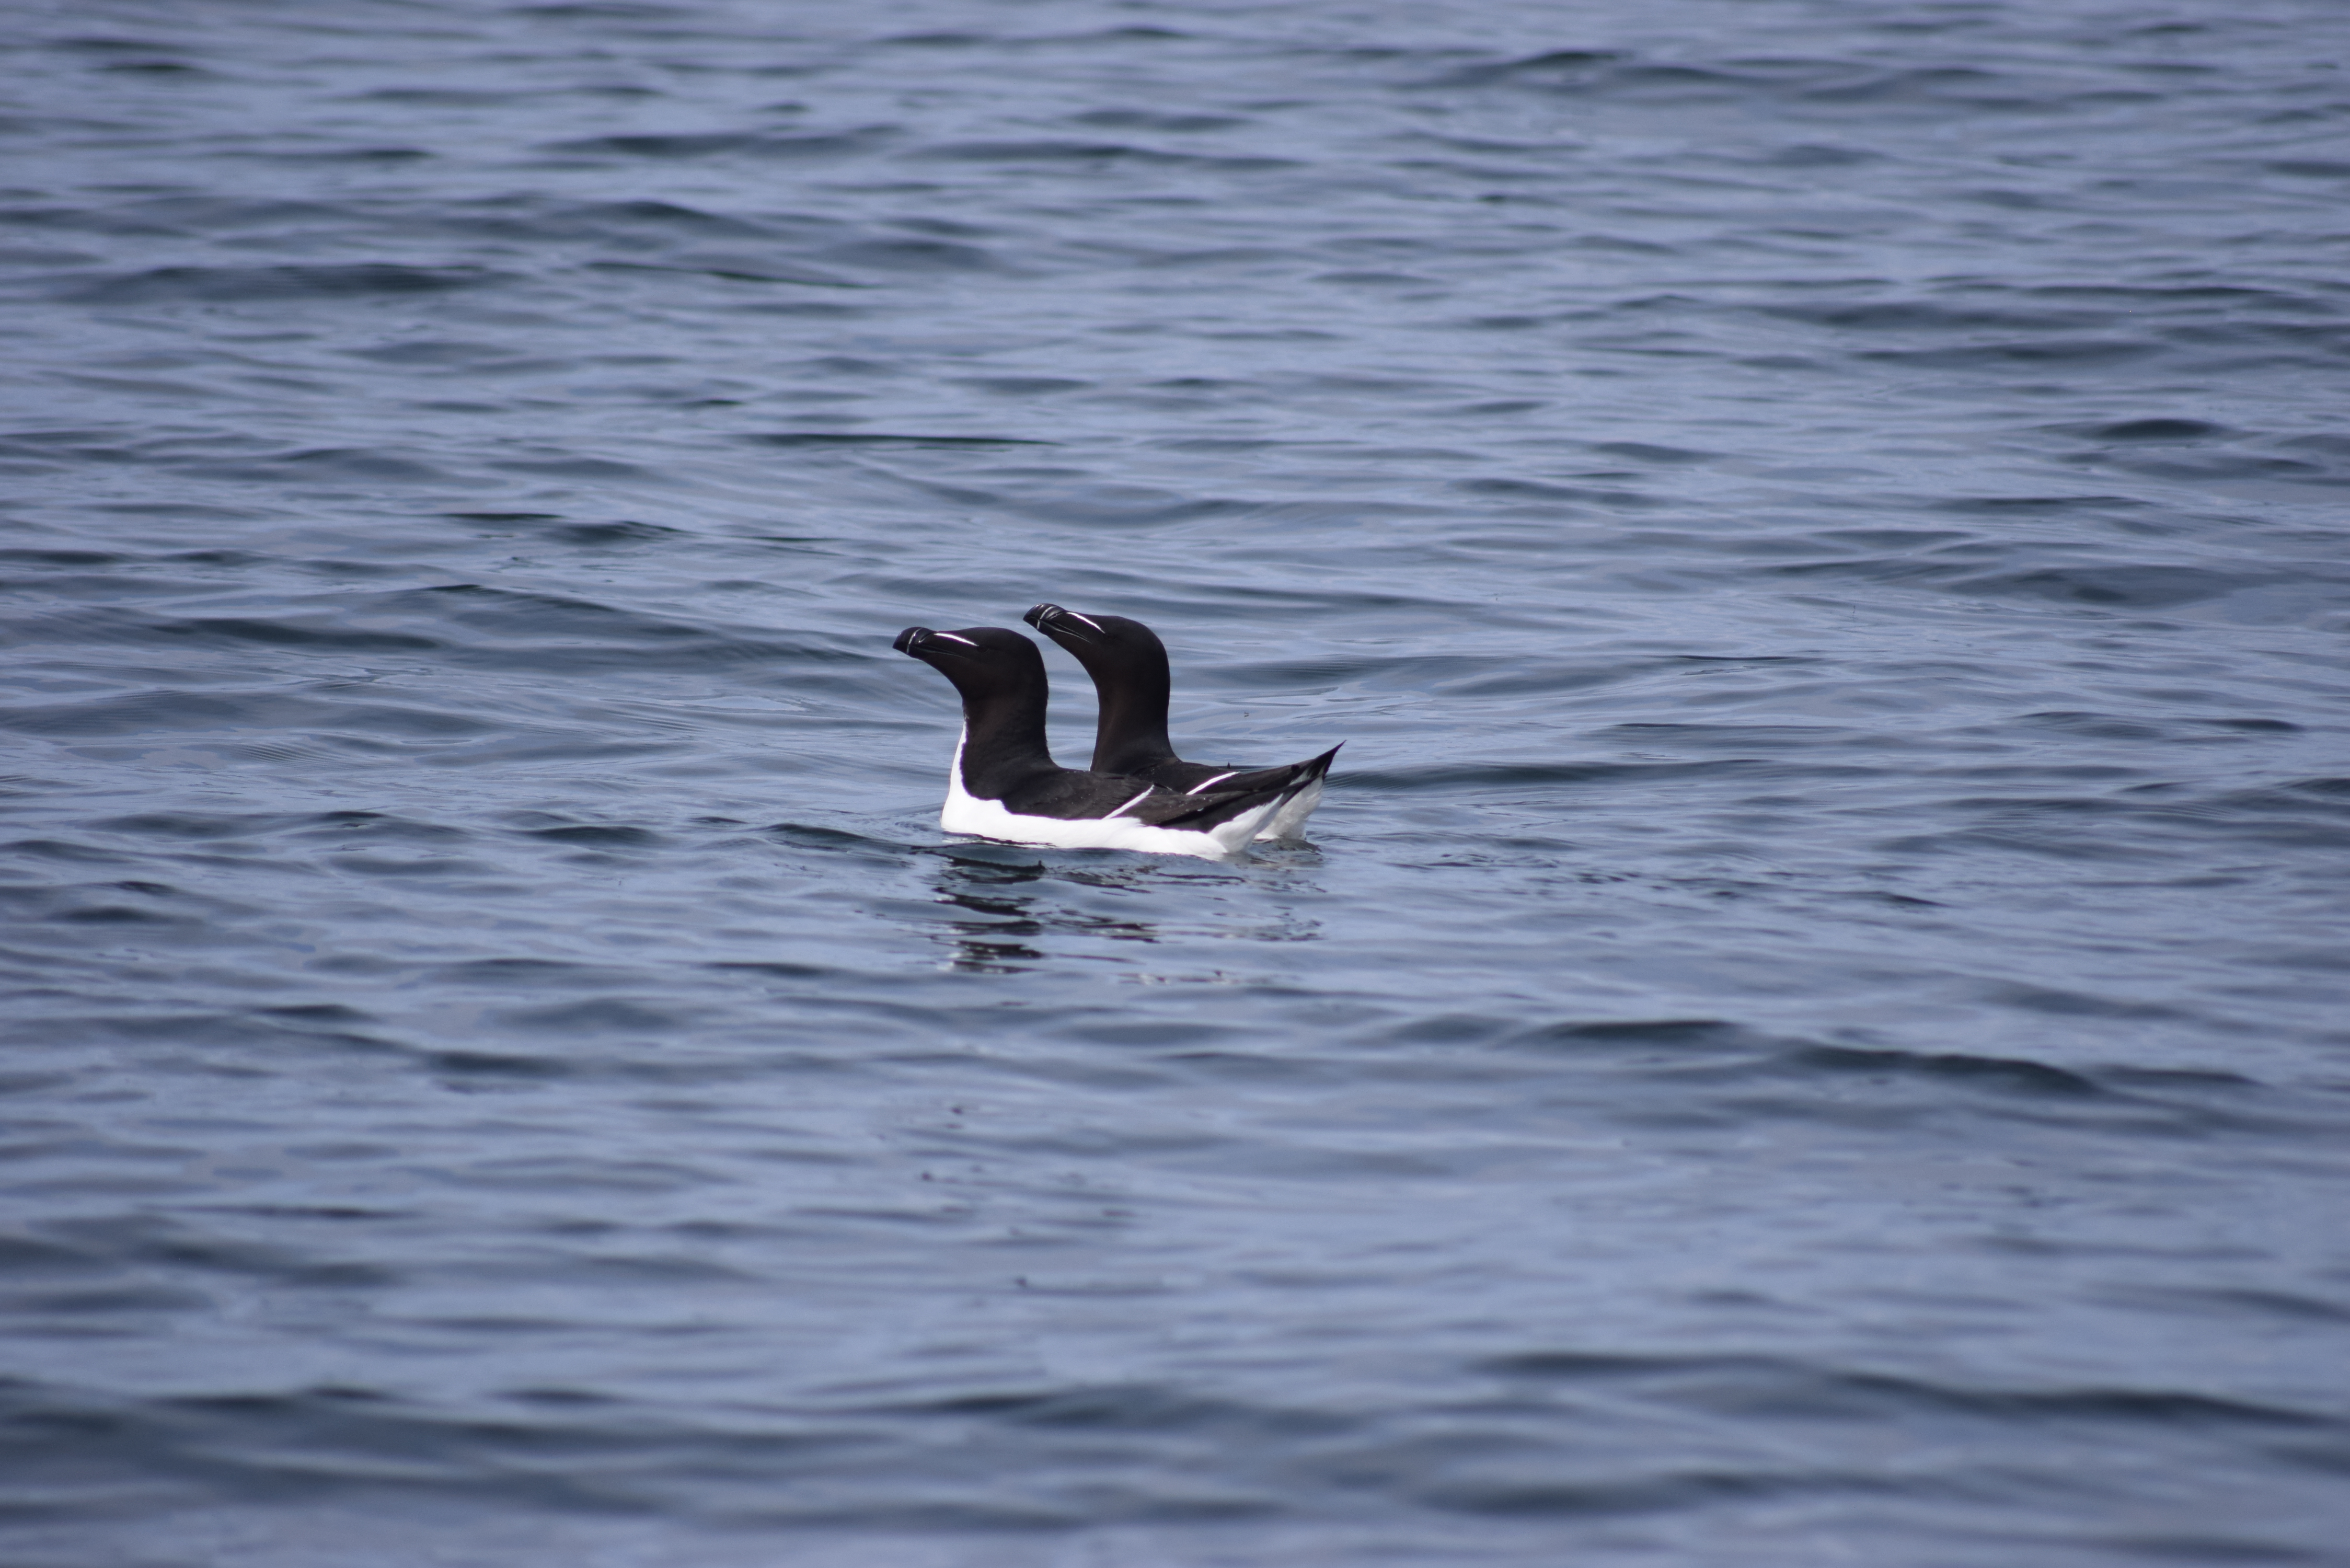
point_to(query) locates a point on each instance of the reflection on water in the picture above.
(986, 944)
(1010, 908)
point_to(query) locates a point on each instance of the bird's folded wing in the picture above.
(1169, 808)
(1071, 795)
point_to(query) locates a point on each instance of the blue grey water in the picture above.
(1813, 1025)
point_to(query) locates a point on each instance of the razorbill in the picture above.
(1004, 783)
(1129, 664)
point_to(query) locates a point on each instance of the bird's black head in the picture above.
(1128, 666)
(983, 661)
(1109, 638)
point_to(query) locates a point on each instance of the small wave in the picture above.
(707, 144)
(2133, 587)
(2005, 355)
(915, 255)
(174, 284)
(598, 1015)
(505, 628)
(341, 466)
(2153, 428)
(1154, 120)
(1092, 154)
(1551, 68)
(2006, 1074)
(167, 712)
(1447, 777)
(599, 835)
(834, 840)
(2008, 505)
(665, 215)
(1925, 316)
(734, 270)
(1796, 1388)
(819, 439)
(2223, 467)
(1677, 1034)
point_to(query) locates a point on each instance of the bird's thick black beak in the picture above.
(910, 641)
(1062, 625)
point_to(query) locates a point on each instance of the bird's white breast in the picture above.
(966, 813)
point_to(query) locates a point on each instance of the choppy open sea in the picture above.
(1813, 1028)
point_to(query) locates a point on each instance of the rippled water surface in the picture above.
(1812, 1029)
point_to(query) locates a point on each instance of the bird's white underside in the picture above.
(966, 813)
(1293, 813)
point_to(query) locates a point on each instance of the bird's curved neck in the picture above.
(1002, 741)
(1130, 734)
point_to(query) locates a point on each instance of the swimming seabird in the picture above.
(1004, 784)
(1129, 664)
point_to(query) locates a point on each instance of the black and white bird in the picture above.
(1129, 664)
(1005, 783)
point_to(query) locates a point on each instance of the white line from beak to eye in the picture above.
(1205, 783)
(1089, 620)
(1137, 800)
(952, 637)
